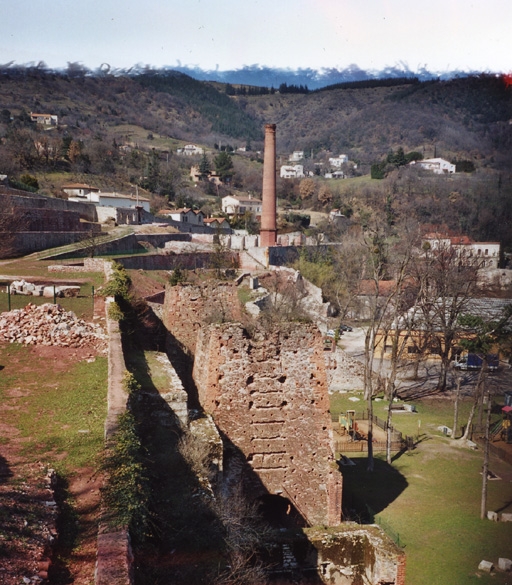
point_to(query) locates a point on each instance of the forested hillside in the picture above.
(121, 131)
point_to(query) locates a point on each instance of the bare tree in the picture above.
(447, 280)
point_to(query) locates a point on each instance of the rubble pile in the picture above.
(21, 287)
(49, 325)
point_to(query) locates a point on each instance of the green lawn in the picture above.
(60, 414)
(430, 498)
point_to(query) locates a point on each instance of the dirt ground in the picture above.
(28, 515)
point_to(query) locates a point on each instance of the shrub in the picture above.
(119, 283)
(114, 312)
(126, 494)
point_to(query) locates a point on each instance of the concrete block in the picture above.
(506, 517)
(486, 566)
(492, 516)
(504, 564)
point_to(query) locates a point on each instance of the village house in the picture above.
(423, 333)
(338, 161)
(296, 156)
(484, 255)
(184, 215)
(335, 175)
(439, 166)
(190, 150)
(196, 176)
(292, 172)
(217, 223)
(87, 194)
(45, 119)
(80, 190)
(239, 205)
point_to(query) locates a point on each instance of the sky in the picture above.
(439, 35)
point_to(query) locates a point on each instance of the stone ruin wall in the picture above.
(269, 396)
(188, 307)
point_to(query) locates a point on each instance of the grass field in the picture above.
(59, 414)
(429, 498)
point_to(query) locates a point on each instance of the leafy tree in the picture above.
(204, 167)
(224, 166)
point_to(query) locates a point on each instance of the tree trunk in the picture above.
(456, 409)
(485, 468)
(370, 436)
(479, 385)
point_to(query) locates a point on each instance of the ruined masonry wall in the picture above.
(269, 396)
(187, 307)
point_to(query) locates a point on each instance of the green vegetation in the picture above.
(126, 492)
(429, 499)
(63, 414)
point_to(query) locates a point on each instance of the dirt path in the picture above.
(28, 518)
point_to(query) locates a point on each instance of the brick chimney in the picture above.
(268, 231)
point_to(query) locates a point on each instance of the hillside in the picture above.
(118, 131)
(464, 118)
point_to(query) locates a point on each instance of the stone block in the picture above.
(492, 516)
(505, 564)
(506, 517)
(486, 566)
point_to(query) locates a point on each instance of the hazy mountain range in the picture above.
(261, 75)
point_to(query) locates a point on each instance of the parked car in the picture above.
(331, 333)
(344, 327)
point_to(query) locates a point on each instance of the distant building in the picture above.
(87, 194)
(212, 177)
(292, 172)
(337, 161)
(483, 254)
(296, 156)
(184, 215)
(81, 190)
(440, 166)
(45, 119)
(190, 150)
(219, 223)
(239, 205)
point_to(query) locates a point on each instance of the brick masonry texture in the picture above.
(268, 394)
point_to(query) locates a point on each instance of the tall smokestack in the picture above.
(268, 231)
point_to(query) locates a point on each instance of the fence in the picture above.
(82, 305)
(361, 446)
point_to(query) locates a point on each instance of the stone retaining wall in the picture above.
(114, 559)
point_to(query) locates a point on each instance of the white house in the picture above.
(440, 166)
(239, 205)
(81, 190)
(335, 175)
(190, 149)
(292, 172)
(296, 156)
(92, 195)
(45, 119)
(185, 215)
(482, 254)
(339, 160)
